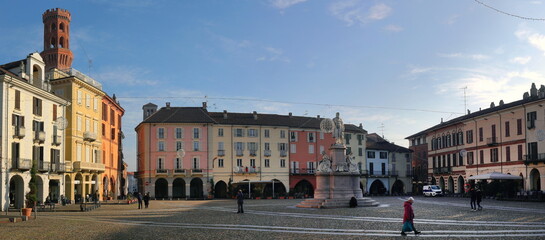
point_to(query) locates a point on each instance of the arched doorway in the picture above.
(442, 183)
(111, 191)
(398, 187)
(535, 180)
(279, 189)
(94, 185)
(40, 195)
(105, 187)
(178, 188)
(195, 188)
(451, 184)
(377, 187)
(68, 187)
(433, 181)
(460, 184)
(161, 188)
(220, 190)
(78, 188)
(122, 188)
(54, 190)
(304, 187)
(16, 192)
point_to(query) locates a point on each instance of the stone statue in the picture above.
(338, 130)
(325, 164)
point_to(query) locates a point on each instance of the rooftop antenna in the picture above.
(382, 129)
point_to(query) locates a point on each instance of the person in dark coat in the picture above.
(240, 201)
(473, 196)
(146, 200)
(408, 217)
(353, 202)
(139, 197)
(479, 197)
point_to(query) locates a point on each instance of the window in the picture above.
(239, 162)
(37, 106)
(393, 158)
(519, 150)
(252, 162)
(493, 155)
(469, 136)
(87, 124)
(179, 133)
(37, 126)
(360, 151)
(160, 133)
(282, 163)
(461, 160)
(220, 162)
(383, 166)
(282, 146)
(370, 154)
(252, 132)
(481, 157)
(239, 146)
(221, 146)
(321, 135)
(360, 140)
(293, 148)
(104, 112)
(195, 163)
(294, 167)
(79, 97)
(383, 155)
(239, 132)
(220, 132)
(95, 104)
(347, 138)
(371, 168)
(519, 126)
(195, 133)
(160, 163)
(178, 163)
(267, 163)
(282, 133)
(311, 148)
(179, 145)
(348, 150)
(481, 135)
(532, 151)
(113, 133)
(311, 137)
(78, 123)
(322, 149)
(18, 121)
(87, 101)
(160, 146)
(293, 136)
(267, 146)
(310, 167)
(17, 100)
(469, 158)
(507, 131)
(267, 133)
(531, 120)
(196, 146)
(508, 154)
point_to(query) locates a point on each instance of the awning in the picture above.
(495, 176)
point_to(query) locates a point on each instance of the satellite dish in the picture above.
(61, 123)
(180, 153)
(463, 153)
(540, 135)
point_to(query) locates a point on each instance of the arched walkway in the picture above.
(178, 188)
(161, 188)
(16, 191)
(451, 184)
(279, 189)
(40, 196)
(398, 187)
(54, 190)
(433, 181)
(220, 190)
(535, 180)
(195, 188)
(105, 186)
(442, 183)
(78, 188)
(304, 187)
(460, 184)
(377, 187)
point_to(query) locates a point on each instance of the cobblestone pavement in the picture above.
(437, 218)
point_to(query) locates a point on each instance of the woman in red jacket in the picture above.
(408, 216)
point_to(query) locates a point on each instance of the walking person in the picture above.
(473, 196)
(139, 197)
(240, 201)
(146, 200)
(479, 196)
(408, 217)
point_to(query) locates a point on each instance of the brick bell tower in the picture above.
(56, 53)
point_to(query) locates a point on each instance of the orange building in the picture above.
(112, 156)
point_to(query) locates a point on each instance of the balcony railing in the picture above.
(39, 137)
(240, 152)
(442, 170)
(534, 158)
(302, 171)
(57, 139)
(283, 153)
(179, 171)
(19, 131)
(246, 169)
(22, 164)
(58, 167)
(88, 166)
(492, 141)
(221, 153)
(43, 166)
(89, 136)
(267, 153)
(196, 171)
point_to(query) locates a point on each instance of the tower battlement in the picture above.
(56, 13)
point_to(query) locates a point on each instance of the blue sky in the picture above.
(397, 67)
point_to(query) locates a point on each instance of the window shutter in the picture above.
(54, 112)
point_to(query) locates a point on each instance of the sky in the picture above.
(397, 67)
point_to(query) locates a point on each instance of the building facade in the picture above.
(112, 136)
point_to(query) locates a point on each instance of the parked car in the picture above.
(432, 191)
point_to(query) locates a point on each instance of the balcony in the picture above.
(196, 172)
(534, 158)
(302, 171)
(442, 170)
(89, 136)
(253, 153)
(267, 153)
(19, 132)
(239, 152)
(22, 164)
(161, 172)
(88, 167)
(221, 153)
(492, 141)
(246, 170)
(179, 172)
(67, 166)
(58, 167)
(43, 166)
(39, 137)
(283, 153)
(57, 139)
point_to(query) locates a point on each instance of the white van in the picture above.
(432, 190)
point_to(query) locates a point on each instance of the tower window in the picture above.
(53, 43)
(61, 27)
(53, 27)
(61, 42)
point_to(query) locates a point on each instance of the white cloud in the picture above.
(521, 60)
(125, 75)
(393, 28)
(533, 38)
(452, 19)
(354, 11)
(461, 55)
(273, 54)
(283, 4)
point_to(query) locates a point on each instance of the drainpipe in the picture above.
(501, 149)
(5, 161)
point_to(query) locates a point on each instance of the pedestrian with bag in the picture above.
(240, 201)
(408, 217)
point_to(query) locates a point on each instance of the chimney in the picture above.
(168, 105)
(224, 114)
(361, 125)
(204, 105)
(290, 114)
(255, 115)
(318, 116)
(468, 112)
